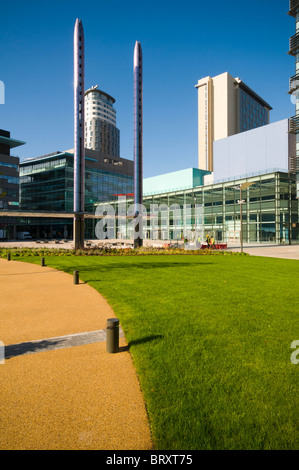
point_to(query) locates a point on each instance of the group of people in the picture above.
(210, 241)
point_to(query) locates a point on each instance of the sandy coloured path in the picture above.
(73, 398)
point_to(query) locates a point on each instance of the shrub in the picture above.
(101, 251)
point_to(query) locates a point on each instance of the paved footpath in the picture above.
(273, 251)
(60, 389)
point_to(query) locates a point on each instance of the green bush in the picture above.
(22, 252)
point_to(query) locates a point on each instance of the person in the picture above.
(212, 242)
(208, 240)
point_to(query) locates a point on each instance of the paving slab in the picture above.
(60, 342)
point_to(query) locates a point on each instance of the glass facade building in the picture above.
(9, 182)
(9, 171)
(269, 212)
(252, 112)
(46, 183)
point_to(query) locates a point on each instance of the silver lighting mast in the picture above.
(138, 144)
(79, 151)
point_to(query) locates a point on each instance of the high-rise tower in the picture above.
(79, 152)
(138, 139)
(101, 133)
(226, 106)
(294, 89)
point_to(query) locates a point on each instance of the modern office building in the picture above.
(101, 133)
(294, 87)
(47, 185)
(252, 167)
(47, 182)
(9, 180)
(269, 211)
(226, 106)
(9, 171)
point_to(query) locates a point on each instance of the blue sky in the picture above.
(181, 42)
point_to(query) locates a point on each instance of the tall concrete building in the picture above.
(101, 133)
(294, 89)
(226, 106)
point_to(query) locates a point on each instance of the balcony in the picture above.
(294, 83)
(293, 164)
(294, 6)
(294, 44)
(294, 124)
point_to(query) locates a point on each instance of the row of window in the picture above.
(9, 165)
(98, 97)
(46, 165)
(9, 192)
(5, 204)
(10, 179)
(103, 118)
(250, 102)
(102, 112)
(99, 105)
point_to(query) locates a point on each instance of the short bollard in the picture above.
(76, 277)
(8, 256)
(42, 262)
(112, 339)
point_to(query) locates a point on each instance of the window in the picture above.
(10, 165)
(10, 179)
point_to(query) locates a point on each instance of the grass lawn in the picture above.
(210, 338)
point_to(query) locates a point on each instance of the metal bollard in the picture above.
(76, 277)
(112, 339)
(8, 256)
(42, 262)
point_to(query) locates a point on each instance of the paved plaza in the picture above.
(273, 251)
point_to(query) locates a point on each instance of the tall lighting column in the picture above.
(79, 151)
(138, 144)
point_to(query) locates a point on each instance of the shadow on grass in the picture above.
(137, 342)
(125, 266)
